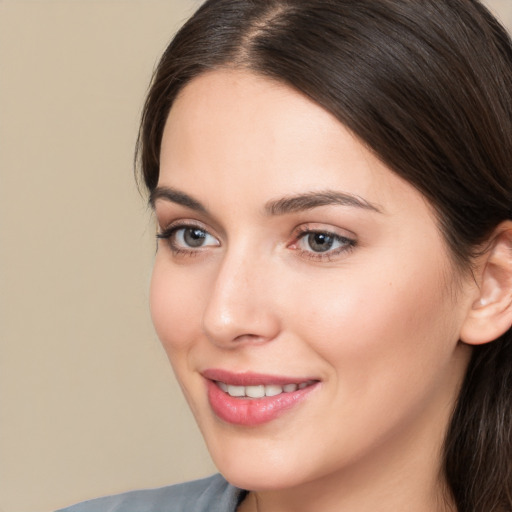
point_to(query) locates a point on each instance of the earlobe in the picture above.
(490, 315)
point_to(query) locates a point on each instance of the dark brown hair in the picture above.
(427, 86)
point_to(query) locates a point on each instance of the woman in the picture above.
(333, 282)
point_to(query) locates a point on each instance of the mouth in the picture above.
(249, 399)
(261, 391)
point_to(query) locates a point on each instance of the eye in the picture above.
(193, 237)
(185, 238)
(318, 242)
(320, 245)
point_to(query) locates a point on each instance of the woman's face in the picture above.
(302, 291)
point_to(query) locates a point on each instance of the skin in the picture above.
(376, 321)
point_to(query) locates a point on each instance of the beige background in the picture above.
(88, 405)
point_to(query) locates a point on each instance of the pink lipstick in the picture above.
(251, 399)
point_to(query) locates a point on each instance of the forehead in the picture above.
(234, 134)
(239, 111)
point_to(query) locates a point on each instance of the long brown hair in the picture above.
(427, 86)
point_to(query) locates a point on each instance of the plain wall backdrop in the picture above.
(88, 403)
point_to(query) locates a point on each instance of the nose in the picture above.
(241, 305)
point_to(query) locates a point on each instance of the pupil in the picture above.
(320, 242)
(194, 237)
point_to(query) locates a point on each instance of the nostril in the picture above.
(249, 338)
(239, 331)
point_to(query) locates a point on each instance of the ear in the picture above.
(490, 315)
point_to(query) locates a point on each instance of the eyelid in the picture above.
(168, 213)
(168, 227)
(317, 227)
(347, 238)
(167, 235)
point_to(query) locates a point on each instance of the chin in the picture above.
(256, 463)
(264, 477)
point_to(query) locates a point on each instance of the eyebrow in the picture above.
(175, 196)
(282, 206)
(310, 200)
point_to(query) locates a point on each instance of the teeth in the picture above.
(273, 390)
(255, 391)
(236, 390)
(261, 391)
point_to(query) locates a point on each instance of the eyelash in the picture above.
(168, 235)
(346, 244)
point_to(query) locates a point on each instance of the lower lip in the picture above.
(250, 412)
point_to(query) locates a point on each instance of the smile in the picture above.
(261, 391)
(249, 399)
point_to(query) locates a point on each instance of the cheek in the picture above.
(174, 303)
(365, 325)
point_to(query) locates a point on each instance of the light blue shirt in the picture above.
(213, 494)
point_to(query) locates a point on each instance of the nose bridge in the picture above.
(239, 307)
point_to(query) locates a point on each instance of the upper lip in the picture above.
(250, 378)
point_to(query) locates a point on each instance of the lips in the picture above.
(250, 399)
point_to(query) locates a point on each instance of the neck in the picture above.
(402, 489)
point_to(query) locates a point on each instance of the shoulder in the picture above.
(213, 494)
